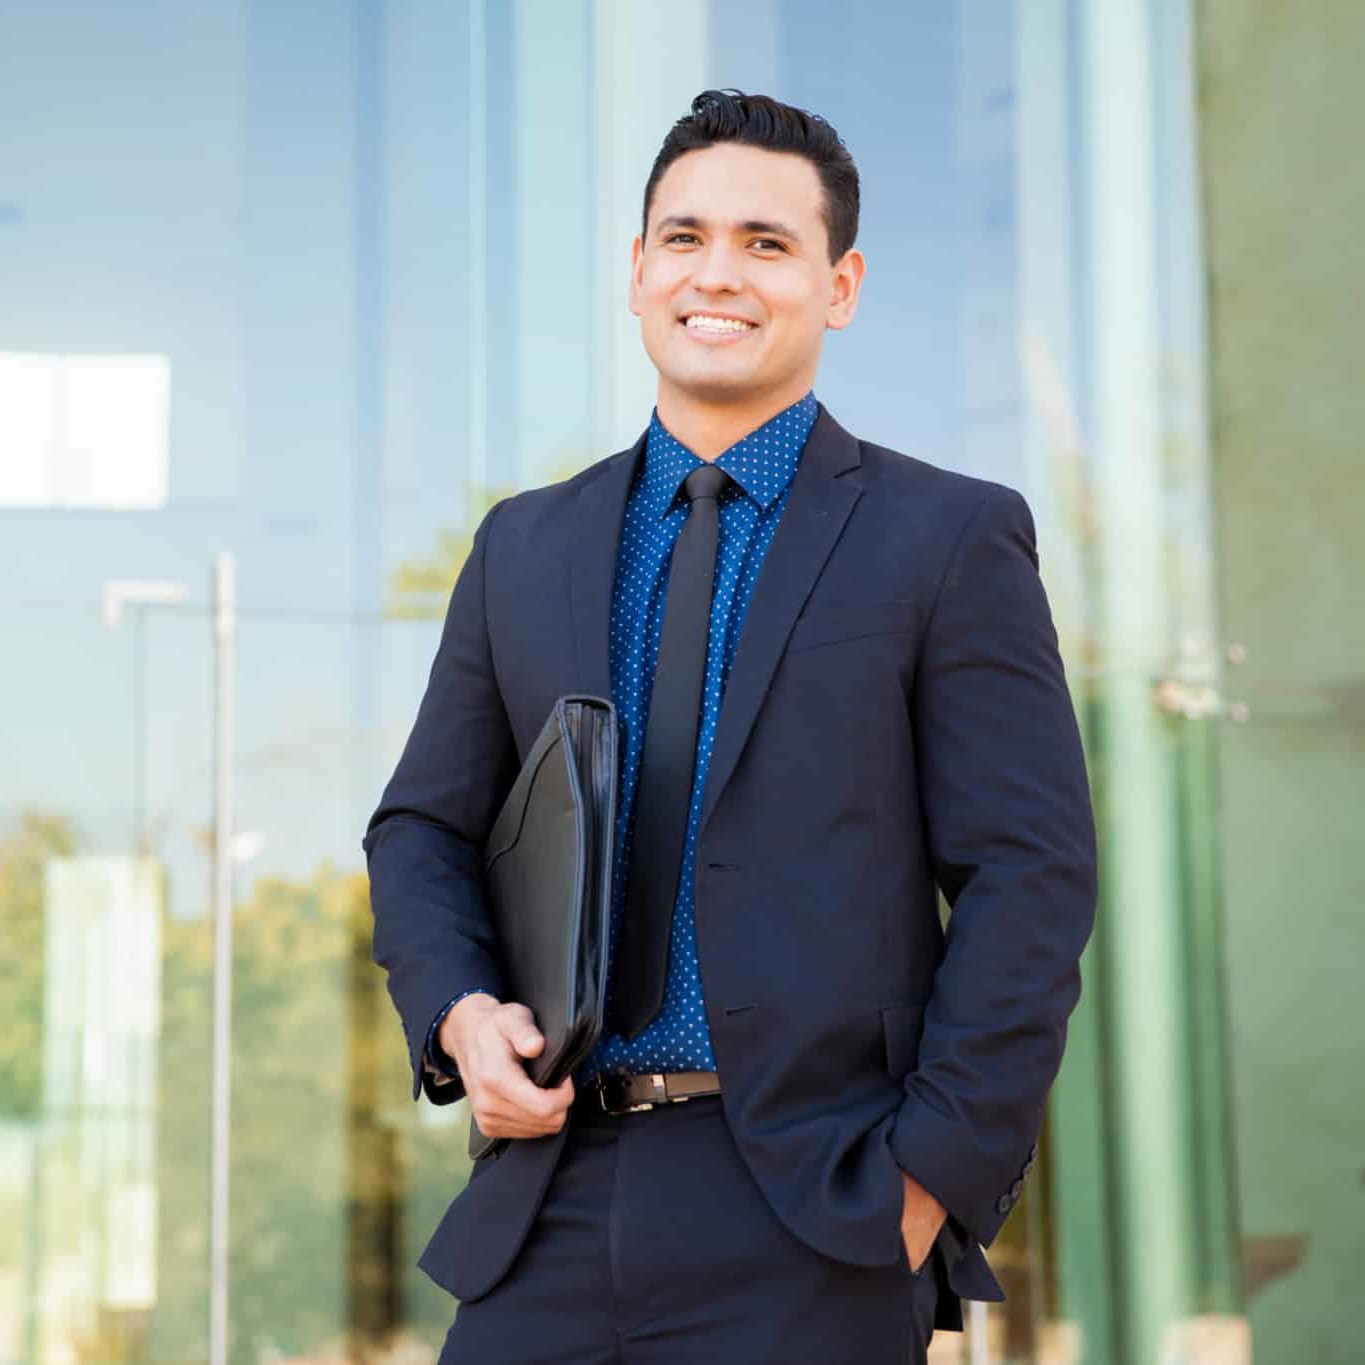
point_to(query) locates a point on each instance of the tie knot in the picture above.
(706, 482)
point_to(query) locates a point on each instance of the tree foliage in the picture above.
(419, 587)
(335, 1180)
(24, 853)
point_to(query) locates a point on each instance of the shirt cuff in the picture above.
(434, 1057)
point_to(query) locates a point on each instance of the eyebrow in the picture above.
(763, 225)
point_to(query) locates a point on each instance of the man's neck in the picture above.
(708, 430)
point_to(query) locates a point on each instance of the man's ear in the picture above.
(848, 280)
(636, 273)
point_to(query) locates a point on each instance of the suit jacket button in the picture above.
(1028, 1166)
(1002, 1205)
(1016, 1189)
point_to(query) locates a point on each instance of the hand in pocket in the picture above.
(921, 1218)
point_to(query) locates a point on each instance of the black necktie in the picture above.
(668, 764)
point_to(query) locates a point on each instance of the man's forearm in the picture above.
(1011, 833)
(424, 843)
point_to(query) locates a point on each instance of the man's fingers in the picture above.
(530, 1043)
(519, 1028)
(503, 1116)
(514, 1087)
(518, 1089)
(505, 1100)
(506, 1077)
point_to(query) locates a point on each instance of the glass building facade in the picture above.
(315, 285)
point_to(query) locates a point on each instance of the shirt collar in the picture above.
(762, 463)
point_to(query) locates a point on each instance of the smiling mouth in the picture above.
(699, 325)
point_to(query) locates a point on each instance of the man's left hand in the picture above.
(921, 1218)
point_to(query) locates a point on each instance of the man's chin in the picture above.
(714, 386)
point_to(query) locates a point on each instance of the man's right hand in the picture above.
(488, 1041)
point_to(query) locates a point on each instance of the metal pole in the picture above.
(224, 642)
(978, 1338)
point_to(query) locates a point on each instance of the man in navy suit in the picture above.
(797, 1150)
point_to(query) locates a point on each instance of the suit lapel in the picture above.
(818, 506)
(592, 564)
(811, 522)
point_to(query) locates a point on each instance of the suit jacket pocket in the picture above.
(901, 1026)
(826, 624)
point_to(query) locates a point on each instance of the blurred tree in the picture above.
(24, 852)
(419, 587)
(330, 1166)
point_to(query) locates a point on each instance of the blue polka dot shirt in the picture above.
(761, 465)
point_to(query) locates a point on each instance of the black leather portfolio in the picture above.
(547, 871)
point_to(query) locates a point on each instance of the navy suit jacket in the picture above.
(896, 720)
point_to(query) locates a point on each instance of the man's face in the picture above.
(738, 232)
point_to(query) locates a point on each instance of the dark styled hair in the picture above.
(760, 121)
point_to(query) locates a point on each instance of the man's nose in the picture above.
(717, 267)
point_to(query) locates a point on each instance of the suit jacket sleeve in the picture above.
(1011, 834)
(424, 842)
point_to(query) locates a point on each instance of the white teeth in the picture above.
(699, 322)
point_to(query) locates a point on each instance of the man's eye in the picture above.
(678, 236)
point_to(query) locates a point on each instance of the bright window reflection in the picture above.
(84, 430)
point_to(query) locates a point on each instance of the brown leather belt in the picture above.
(630, 1094)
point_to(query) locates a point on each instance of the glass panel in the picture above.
(363, 273)
(1285, 286)
(91, 915)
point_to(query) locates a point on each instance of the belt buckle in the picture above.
(657, 1082)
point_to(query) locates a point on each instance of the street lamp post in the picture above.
(224, 661)
(118, 594)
